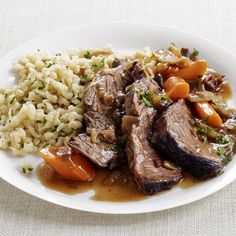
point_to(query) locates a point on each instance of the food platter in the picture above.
(125, 38)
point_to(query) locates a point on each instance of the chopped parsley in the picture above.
(26, 169)
(165, 97)
(83, 77)
(204, 129)
(223, 139)
(221, 151)
(146, 98)
(194, 54)
(205, 120)
(48, 63)
(117, 148)
(42, 86)
(12, 100)
(87, 55)
(100, 64)
(6, 95)
(44, 146)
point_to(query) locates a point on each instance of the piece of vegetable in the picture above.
(176, 88)
(191, 72)
(174, 50)
(205, 110)
(216, 101)
(167, 56)
(26, 169)
(71, 166)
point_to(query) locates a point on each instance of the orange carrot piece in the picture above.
(176, 88)
(191, 72)
(73, 167)
(206, 111)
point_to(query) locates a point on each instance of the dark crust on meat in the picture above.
(177, 144)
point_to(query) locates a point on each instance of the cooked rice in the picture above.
(44, 107)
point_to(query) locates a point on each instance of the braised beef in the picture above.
(103, 101)
(101, 153)
(144, 162)
(177, 138)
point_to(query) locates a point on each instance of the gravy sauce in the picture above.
(226, 91)
(111, 186)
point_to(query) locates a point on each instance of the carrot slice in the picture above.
(71, 166)
(191, 72)
(206, 111)
(176, 88)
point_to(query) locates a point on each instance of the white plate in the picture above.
(125, 37)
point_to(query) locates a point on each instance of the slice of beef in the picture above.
(177, 138)
(99, 153)
(144, 162)
(103, 101)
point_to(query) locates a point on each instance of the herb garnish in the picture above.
(117, 148)
(204, 129)
(87, 55)
(26, 169)
(48, 63)
(194, 54)
(42, 86)
(205, 120)
(12, 100)
(146, 98)
(221, 151)
(223, 139)
(100, 64)
(165, 97)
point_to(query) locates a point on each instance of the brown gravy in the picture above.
(188, 182)
(111, 186)
(226, 91)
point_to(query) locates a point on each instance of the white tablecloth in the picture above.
(22, 214)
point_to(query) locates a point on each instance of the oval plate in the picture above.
(124, 37)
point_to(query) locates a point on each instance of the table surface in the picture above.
(22, 214)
